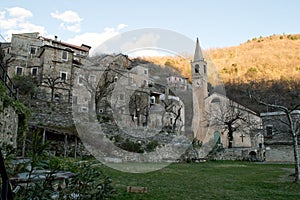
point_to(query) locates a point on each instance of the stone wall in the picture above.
(280, 153)
(8, 125)
(51, 114)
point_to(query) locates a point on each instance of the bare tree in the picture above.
(105, 86)
(88, 80)
(54, 83)
(231, 117)
(174, 108)
(139, 106)
(292, 124)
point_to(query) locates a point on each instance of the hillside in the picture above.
(269, 58)
(268, 65)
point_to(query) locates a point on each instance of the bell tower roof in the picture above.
(198, 52)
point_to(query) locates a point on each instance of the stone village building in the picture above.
(277, 137)
(53, 64)
(126, 94)
(51, 61)
(59, 67)
(176, 82)
(65, 67)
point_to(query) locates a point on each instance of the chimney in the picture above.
(55, 37)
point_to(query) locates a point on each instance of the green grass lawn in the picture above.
(210, 180)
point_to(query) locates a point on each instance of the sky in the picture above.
(217, 23)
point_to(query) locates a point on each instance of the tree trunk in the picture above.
(75, 148)
(52, 93)
(230, 136)
(295, 145)
(66, 146)
(44, 136)
(296, 157)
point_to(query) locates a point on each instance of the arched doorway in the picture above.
(217, 137)
(252, 155)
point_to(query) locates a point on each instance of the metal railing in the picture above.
(7, 82)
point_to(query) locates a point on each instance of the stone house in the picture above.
(118, 59)
(54, 65)
(52, 62)
(125, 82)
(135, 99)
(177, 82)
(277, 137)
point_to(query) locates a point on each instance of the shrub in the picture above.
(132, 146)
(151, 146)
(26, 84)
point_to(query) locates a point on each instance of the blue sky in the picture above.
(217, 23)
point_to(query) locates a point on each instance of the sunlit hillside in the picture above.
(276, 57)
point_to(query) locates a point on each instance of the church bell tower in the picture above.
(199, 79)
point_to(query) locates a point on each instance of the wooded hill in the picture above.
(269, 65)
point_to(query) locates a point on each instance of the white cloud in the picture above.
(2, 15)
(121, 26)
(96, 39)
(73, 27)
(70, 20)
(67, 16)
(16, 20)
(18, 12)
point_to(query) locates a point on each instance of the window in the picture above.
(122, 96)
(100, 110)
(152, 100)
(269, 130)
(80, 80)
(204, 69)
(63, 76)
(130, 79)
(57, 97)
(84, 109)
(145, 71)
(32, 50)
(92, 78)
(19, 71)
(34, 71)
(171, 121)
(122, 111)
(115, 79)
(197, 68)
(64, 55)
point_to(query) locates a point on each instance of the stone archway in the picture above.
(253, 156)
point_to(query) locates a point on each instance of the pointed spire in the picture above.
(198, 52)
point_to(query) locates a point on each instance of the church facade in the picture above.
(218, 120)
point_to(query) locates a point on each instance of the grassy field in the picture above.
(210, 180)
